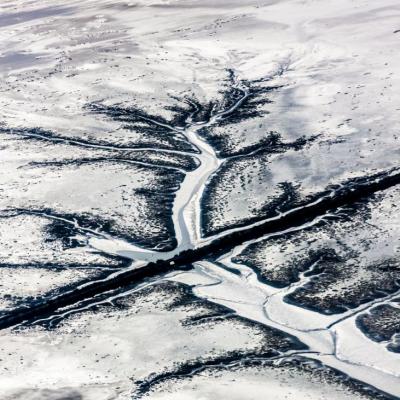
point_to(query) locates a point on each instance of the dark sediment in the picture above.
(355, 191)
(382, 324)
(313, 370)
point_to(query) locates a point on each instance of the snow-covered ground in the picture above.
(133, 130)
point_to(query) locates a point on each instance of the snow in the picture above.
(335, 63)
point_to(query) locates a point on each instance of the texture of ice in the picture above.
(144, 129)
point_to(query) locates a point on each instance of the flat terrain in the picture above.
(199, 200)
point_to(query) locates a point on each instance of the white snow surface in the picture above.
(340, 80)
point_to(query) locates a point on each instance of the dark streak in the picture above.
(354, 191)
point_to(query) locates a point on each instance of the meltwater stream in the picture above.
(187, 204)
(337, 347)
(334, 340)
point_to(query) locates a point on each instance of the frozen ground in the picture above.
(239, 142)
